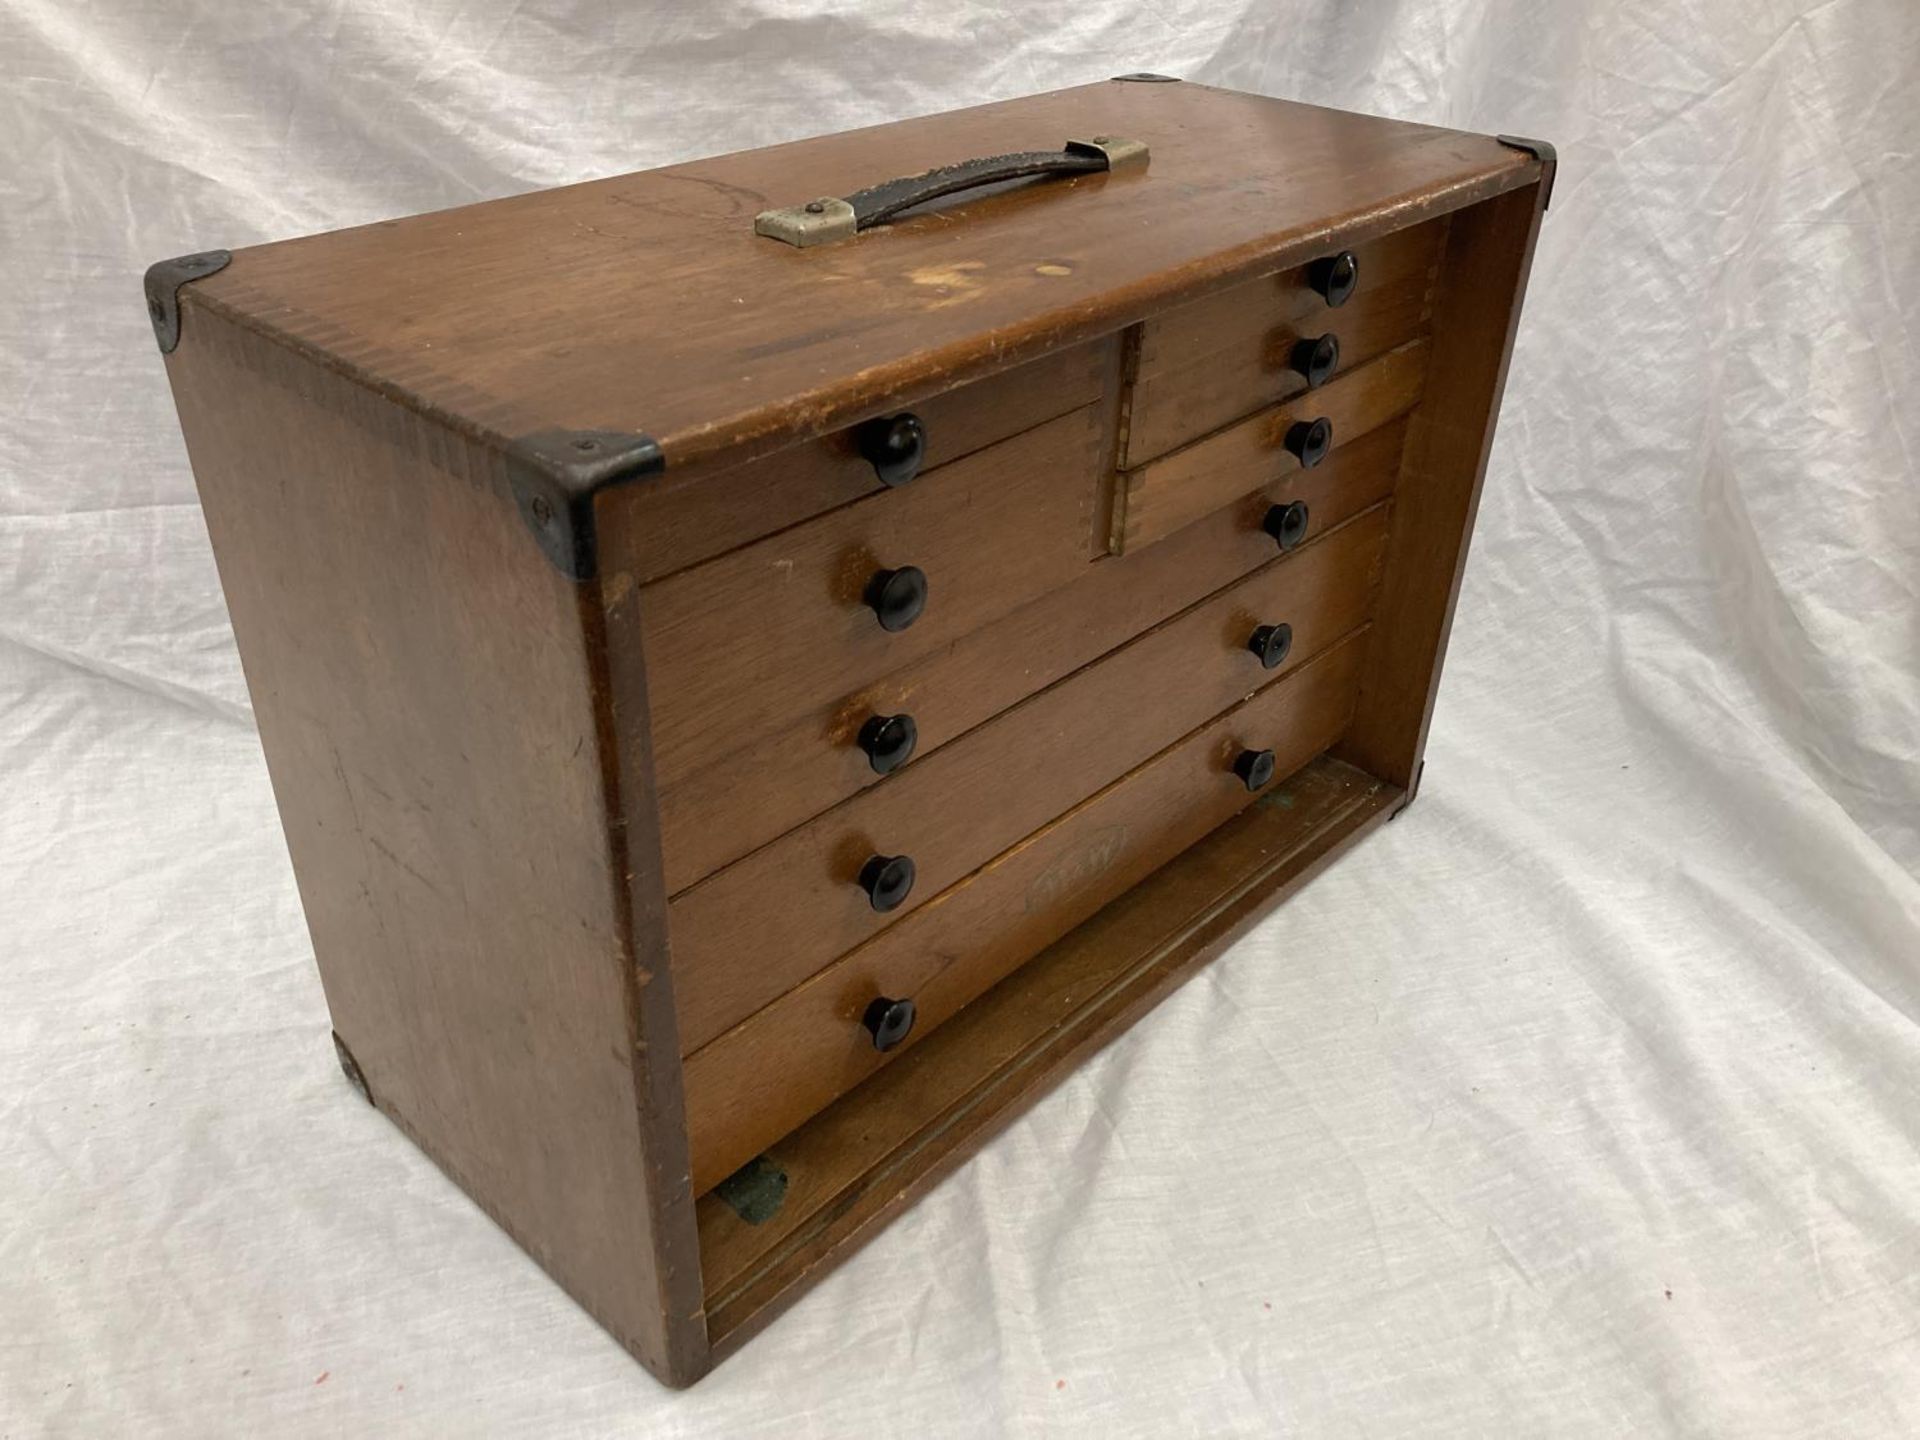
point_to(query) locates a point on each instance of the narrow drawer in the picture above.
(762, 1078)
(1206, 364)
(756, 637)
(675, 520)
(751, 932)
(1165, 495)
(734, 805)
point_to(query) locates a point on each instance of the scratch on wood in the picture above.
(384, 850)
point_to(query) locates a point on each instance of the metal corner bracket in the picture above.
(351, 1068)
(163, 282)
(1413, 793)
(555, 475)
(1542, 151)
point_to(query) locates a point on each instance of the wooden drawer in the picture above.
(764, 1077)
(753, 638)
(1164, 495)
(1209, 363)
(677, 520)
(747, 934)
(736, 804)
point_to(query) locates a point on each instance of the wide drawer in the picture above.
(749, 933)
(736, 804)
(676, 520)
(764, 1077)
(1206, 364)
(773, 630)
(1165, 495)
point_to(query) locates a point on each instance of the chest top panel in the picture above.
(647, 303)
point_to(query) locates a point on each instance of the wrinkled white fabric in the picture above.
(1582, 1100)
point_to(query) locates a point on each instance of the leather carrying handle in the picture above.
(835, 218)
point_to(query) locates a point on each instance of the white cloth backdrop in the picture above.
(1584, 1100)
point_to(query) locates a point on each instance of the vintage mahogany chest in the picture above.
(758, 687)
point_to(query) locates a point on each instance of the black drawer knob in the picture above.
(1287, 523)
(898, 596)
(1309, 440)
(887, 879)
(1316, 360)
(888, 741)
(1254, 767)
(894, 445)
(888, 1021)
(1272, 644)
(1335, 277)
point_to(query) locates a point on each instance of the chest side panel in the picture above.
(424, 684)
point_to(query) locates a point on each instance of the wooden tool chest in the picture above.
(765, 664)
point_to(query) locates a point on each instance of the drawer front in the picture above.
(1207, 364)
(757, 637)
(759, 1080)
(753, 931)
(733, 806)
(1168, 494)
(650, 531)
